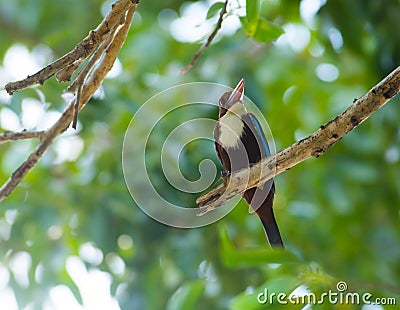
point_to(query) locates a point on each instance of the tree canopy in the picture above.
(71, 235)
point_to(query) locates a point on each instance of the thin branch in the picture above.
(65, 74)
(88, 89)
(77, 85)
(81, 51)
(208, 42)
(312, 146)
(80, 79)
(76, 105)
(22, 135)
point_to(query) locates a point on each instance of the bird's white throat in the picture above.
(231, 126)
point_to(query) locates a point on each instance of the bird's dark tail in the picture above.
(262, 204)
(272, 231)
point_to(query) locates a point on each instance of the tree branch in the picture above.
(312, 146)
(208, 42)
(121, 14)
(81, 51)
(77, 85)
(25, 134)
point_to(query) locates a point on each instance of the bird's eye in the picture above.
(222, 102)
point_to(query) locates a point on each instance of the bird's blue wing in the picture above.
(264, 190)
(258, 130)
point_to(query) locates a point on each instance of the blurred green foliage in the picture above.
(338, 214)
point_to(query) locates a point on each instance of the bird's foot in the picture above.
(225, 176)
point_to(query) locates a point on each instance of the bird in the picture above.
(240, 143)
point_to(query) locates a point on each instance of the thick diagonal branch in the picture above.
(90, 86)
(312, 146)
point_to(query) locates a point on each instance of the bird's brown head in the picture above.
(229, 98)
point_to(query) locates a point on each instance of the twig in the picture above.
(77, 85)
(65, 74)
(93, 82)
(312, 146)
(80, 79)
(22, 135)
(81, 51)
(208, 42)
(76, 106)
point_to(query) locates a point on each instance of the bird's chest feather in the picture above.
(231, 128)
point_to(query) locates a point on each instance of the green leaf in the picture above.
(284, 284)
(267, 31)
(315, 278)
(65, 278)
(214, 9)
(186, 296)
(233, 257)
(252, 14)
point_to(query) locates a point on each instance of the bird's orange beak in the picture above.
(237, 94)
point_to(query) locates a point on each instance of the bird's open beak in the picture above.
(237, 94)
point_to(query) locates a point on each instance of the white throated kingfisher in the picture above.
(240, 142)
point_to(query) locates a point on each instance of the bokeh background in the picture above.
(71, 236)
